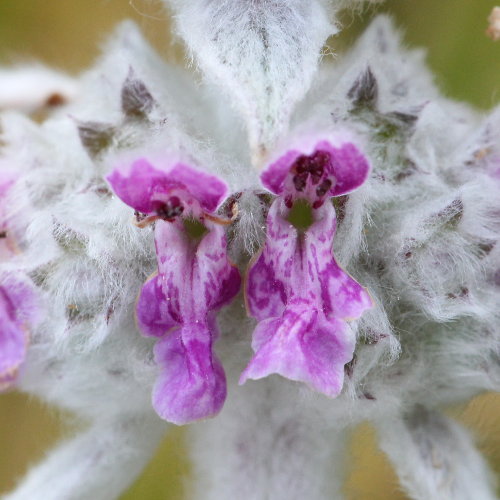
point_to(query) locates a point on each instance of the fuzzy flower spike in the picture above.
(295, 289)
(194, 280)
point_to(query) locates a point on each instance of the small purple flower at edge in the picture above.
(19, 307)
(295, 289)
(195, 279)
(19, 311)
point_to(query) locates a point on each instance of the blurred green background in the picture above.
(67, 34)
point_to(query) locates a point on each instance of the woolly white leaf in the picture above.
(99, 463)
(435, 458)
(263, 54)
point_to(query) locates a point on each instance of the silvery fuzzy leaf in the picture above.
(263, 54)
(435, 458)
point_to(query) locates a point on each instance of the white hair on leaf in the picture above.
(422, 235)
(435, 458)
(263, 54)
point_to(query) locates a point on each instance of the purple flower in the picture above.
(295, 289)
(195, 279)
(19, 311)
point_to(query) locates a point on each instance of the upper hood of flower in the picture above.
(171, 186)
(313, 167)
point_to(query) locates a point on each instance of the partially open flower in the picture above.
(194, 280)
(295, 288)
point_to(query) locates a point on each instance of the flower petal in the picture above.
(141, 185)
(219, 280)
(13, 344)
(274, 175)
(18, 310)
(347, 163)
(7, 178)
(209, 190)
(302, 345)
(266, 288)
(341, 295)
(192, 384)
(135, 184)
(154, 311)
(195, 278)
(349, 166)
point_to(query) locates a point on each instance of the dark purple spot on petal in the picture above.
(170, 209)
(300, 181)
(323, 188)
(313, 165)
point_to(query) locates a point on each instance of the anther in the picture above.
(171, 209)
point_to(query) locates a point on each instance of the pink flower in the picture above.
(194, 280)
(295, 289)
(19, 311)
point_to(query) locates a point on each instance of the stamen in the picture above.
(323, 188)
(170, 209)
(220, 220)
(313, 166)
(319, 161)
(146, 221)
(300, 181)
